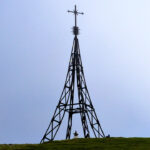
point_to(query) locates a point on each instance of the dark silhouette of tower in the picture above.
(66, 102)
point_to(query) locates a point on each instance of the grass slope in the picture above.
(86, 144)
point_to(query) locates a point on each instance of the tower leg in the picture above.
(70, 111)
(84, 124)
(80, 94)
(68, 134)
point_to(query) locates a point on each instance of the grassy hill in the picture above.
(86, 144)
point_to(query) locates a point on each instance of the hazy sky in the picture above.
(35, 46)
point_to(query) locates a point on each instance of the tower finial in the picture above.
(75, 12)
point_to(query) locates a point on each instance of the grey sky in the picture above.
(35, 46)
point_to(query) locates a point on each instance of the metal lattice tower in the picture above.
(66, 103)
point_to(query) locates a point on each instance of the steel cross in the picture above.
(75, 12)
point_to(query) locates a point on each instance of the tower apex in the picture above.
(75, 12)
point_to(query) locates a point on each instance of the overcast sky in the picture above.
(35, 46)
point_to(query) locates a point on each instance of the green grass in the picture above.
(86, 144)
